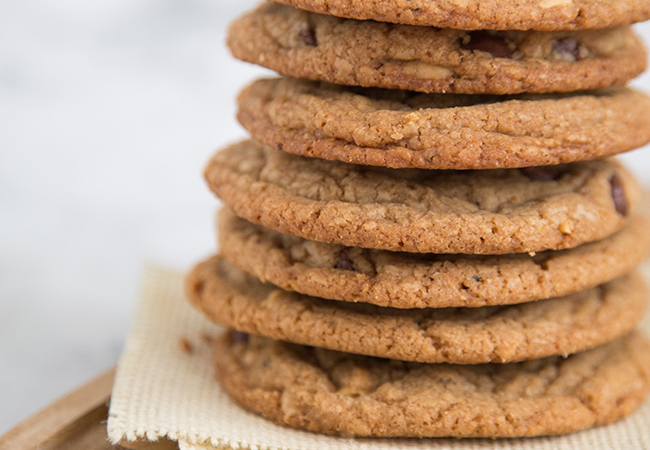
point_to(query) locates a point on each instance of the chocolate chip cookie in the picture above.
(349, 395)
(403, 129)
(559, 326)
(424, 211)
(487, 15)
(374, 54)
(408, 280)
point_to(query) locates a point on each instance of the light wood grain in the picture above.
(74, 422)
(42, 430)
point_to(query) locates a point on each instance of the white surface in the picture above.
(108, 112)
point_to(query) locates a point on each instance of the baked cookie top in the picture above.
(404, 129)
(373, 54)
(558, 326)
(407, 280)
(487, 14)
(424, 211)
(342, 394)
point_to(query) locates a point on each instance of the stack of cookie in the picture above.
(424, 238)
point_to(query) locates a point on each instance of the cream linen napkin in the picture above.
(165, 388)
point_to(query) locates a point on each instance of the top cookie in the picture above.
(544, 15)
(424, 211)
(426, 59)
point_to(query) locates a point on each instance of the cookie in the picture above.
(342, 394)
(403, 129)
(424, 211)
(373, 54)
(560, 326)
(545, 15)
(407, 280)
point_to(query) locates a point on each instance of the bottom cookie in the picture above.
(349, 395)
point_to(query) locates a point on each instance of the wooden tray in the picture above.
(74, 422)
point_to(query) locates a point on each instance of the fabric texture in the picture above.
(165, 389)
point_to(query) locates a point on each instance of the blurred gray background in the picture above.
(108, 112)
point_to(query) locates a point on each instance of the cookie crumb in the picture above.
(186, 346)
(566, 227)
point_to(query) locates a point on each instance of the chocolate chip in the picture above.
(239, 337)
(567, 49)
(477, 278)
(266, 362)
(308, 36)
(493, 44)
(343, 260)
(618, 195)
(540, 173)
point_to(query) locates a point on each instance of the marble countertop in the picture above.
(108, 112)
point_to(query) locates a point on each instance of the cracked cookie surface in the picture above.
(487, 15)
(407, 280)
(403, 129)
(424, 211)
(342, 394)
(373, 54)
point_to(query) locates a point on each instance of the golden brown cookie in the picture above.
(342, 394)
(559, 326)
(403, 129)
(373, 54)
(424, 211)
(487, 14)
(407, 280)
